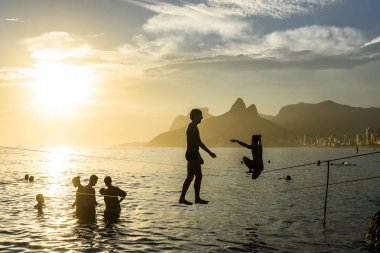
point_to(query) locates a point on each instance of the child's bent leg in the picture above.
(248, 163)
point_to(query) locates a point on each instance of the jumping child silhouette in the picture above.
(255, 165)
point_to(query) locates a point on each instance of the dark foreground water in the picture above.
(265, 215)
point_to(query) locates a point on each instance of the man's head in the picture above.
(108, 181)
(76, 181)
(196, 115)
(40, 198)
(93, 180)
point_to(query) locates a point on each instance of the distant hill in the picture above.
(268, 117)
(327, 118)
(239, 122)
(130, 145)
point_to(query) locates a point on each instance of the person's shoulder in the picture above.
(116, 189)
(119, 189)
(121, 192)
(88, 188)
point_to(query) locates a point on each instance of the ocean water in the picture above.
(269, 214)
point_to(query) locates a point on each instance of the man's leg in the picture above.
(186, 184)
(197, 184)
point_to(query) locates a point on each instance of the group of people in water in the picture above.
(85, 201)
(195, 160)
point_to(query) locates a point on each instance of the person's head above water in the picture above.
(108, 180)
(255, 139)
(31, 179)
(40, 198)
(26, 176)
(76, 181)
(93, 180)
(196, 115)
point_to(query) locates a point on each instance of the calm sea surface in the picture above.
(264, 215)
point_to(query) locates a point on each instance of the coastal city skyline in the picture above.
(369, 137)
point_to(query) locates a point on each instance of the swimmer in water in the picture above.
(40, 202)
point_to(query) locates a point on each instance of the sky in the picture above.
(105, 72)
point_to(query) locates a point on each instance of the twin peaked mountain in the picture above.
(241, 122)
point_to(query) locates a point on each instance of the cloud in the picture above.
(18, 20)
(152, 53)
(56, 46)
(372, 42)
(191, 19)
(296, 46)
(65, 49)
(279, 9)
(226, 18)
(222, 29)
(310, 47)
(14, 76)
(310, 41)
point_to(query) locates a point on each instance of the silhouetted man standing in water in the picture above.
(89, 200)
(194, 159)
(111, 198)
(78, 203)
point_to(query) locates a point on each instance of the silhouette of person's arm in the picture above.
(242, 143)
(203, 146)
(93, 197)
(122, 194)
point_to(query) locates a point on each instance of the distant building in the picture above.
(357, 140)
(372, 139)
(367, 136)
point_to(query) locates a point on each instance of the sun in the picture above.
(60, 89)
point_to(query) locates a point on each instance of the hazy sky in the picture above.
(103, 72)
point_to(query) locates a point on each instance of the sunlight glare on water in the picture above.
(57, 163)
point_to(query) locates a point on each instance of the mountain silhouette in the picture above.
(239, 122)
(326, 118)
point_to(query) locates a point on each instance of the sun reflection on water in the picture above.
(58, 162)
